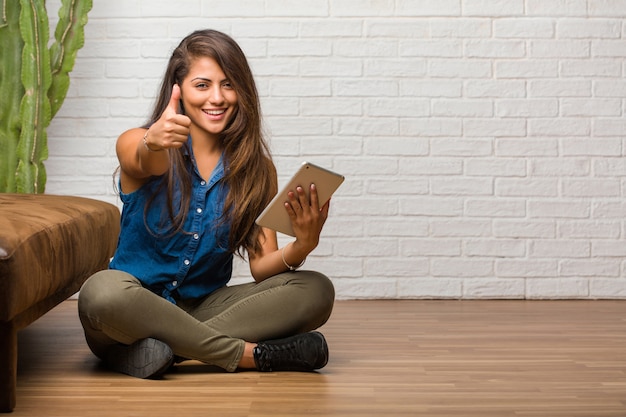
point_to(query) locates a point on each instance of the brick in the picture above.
(510, 288)
(589, 268)
(612, 8)
(430, 288)
(589, 230)
(431, 88)
(459, 68)
(397, 186)
(591, 188)
(526, 69)
(493, 7)
(505, 167)
(556, 8)
(461, 28)
(236, 8)
(394, 28)
(397, 107)
(465, 147)
(464, 268)
(403, 267)
(607, 249)
(524, 28)
(510, 248)
(559, 249)
(591, 108)
(328, 27)
(397, 228)
(494, 127)
(495, 49)
(609, 210)
(593, 68)
(431, 206)
(307, 9)
(355, 8)
(557, 288)
(608, 288)
(430, 127)
(559, 127)
(498, 207)
(527, 268)
(560, 167)
(328, 67)
(560, 48)
(462, 108)
(429, 8)
(538, 229)
(558, 209)
(460, 228)
(559, 88)
(462, 186)
(431, 48)
(589, 28)
(591, 147)
(527, 108)
(430, 247)
(495, 88)
(431, 166)
(397, 147)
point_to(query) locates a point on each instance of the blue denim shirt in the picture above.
(185, 265)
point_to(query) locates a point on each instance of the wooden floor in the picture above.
(388, 358)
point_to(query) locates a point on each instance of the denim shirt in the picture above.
(189, 264)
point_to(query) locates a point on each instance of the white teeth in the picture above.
(214, 112)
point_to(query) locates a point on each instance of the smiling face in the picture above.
(208, 97)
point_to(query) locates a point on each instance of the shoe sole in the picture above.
(145, 359)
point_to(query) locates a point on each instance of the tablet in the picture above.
(275, 215)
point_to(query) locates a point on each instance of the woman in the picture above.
(192, 181)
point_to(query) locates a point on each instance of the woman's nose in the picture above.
(216, 95)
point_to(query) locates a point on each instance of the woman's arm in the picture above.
(141, 152)
(307, 219)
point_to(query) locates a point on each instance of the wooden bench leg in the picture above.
(8, 366)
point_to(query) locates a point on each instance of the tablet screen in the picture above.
(275, 215)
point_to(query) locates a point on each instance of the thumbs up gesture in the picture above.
(172, 129)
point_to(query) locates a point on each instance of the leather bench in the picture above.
(49, 246)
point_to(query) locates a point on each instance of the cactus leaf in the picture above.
(69, 38)
(35, 110)
(11, 45)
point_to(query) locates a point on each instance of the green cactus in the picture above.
(34, 80)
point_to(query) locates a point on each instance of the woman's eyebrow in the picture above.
(208, 79)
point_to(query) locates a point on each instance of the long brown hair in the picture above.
(250, 174)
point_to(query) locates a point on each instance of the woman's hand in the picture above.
(307, 218)
(172, 129)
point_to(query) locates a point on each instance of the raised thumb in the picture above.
(174, 99)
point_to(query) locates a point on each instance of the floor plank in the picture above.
(388, 358)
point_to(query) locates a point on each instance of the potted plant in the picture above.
(34, 79)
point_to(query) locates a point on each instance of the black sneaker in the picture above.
(302, 352)
(146, 358)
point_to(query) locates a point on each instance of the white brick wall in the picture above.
(483, 141)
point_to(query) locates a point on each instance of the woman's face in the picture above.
(208, 97)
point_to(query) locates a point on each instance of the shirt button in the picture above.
(186, 262)
(203, 183)
(174, 283)
(196, 236)
(199, 210)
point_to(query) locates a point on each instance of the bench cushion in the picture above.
(50, 244)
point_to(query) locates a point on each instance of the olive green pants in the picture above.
(115, 308)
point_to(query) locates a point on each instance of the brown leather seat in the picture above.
(49, 245)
